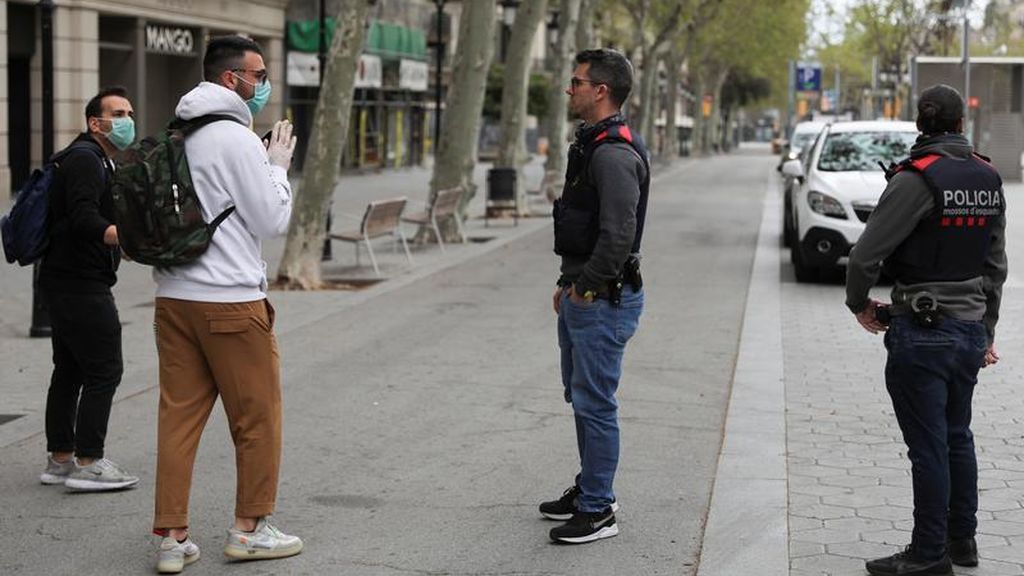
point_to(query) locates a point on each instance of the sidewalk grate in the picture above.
(5, 418)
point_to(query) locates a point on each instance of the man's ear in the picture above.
(228, 80)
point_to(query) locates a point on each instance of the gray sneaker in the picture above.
(56, 472)
(264, 542)
(174, 555)
(100, 476)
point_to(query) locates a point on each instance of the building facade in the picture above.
(154, 48)
(395, 98)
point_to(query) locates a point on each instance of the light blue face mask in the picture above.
(260, 96)
(122, 132)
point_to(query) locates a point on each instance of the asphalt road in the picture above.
(423, 426)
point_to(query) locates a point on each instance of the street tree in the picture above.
(754, 40)
(460, 125)
(512, 147)
(300, 265)
(565, 48)
(585, 25)
(681, 46)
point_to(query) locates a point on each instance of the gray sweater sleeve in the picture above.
(994, 274)
(617, 171)
(904, 203)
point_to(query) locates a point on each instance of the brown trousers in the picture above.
(208, 349)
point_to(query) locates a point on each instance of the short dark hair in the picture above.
(94, 109)
(939, 109)
(611, 68)
(226, 52)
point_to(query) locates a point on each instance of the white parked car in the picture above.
(804, 134)
(837, 183)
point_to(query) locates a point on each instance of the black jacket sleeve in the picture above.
(85, 179)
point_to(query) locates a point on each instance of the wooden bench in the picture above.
(382, 218)
(445, 206)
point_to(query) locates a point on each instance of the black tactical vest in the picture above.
(952, 242)
(576, 213)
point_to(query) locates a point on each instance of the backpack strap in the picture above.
(192, 124)
(220, 218)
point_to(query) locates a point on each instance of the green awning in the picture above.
(394, 41)
(384, 39)
(304, 36)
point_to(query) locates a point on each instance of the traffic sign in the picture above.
(808, 76)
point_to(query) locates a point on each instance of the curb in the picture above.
(747, 529)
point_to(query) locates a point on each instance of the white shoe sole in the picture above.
(51, 479)
(79, 485)
(238, 553)
(173, 567)
(567, 517)
(606, 532)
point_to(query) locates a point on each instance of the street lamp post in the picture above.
(437, 75)
(552, 28)
(508, 17)
(321, 55)
(40, 313)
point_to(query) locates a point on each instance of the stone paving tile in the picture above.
(849, 477)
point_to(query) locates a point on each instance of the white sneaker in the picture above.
(174, 555)
(57, 472)
(264, 542)
(100, 476)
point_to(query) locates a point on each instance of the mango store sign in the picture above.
(170, 40)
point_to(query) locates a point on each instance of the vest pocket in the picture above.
(575, 231)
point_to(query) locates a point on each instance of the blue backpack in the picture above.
(26, 229)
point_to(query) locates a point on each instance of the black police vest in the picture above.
(577, 212)
(951, 243)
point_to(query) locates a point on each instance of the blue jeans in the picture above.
(930, 375)
(592, 338)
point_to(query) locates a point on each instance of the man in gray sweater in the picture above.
(939, 229)
(599, 223)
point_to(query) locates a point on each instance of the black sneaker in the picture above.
(906, 563)
(563, 508)
(586, 527)
(963, 552)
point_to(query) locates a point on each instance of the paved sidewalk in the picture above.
(850, 494)
(847, 474)
(26, 361)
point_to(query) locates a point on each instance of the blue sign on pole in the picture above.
(808, 77)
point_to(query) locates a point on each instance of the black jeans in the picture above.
(930, 375)
(87, 368)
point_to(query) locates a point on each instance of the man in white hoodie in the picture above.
(214, 325)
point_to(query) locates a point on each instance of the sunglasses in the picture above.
(577, 82)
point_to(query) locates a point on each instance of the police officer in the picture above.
(599, 222)
(938, 232)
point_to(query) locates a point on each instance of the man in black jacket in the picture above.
(76, 275)
(599, 222)
(938, 232)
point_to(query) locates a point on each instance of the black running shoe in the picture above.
(586, 527)
(906, 563)
(963, 552)
(563, 508)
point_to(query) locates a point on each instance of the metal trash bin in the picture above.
(501, 193)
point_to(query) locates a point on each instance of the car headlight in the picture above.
(825, 205)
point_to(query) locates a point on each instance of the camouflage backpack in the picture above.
(157, 211)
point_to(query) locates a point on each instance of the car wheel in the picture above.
(804, 272)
